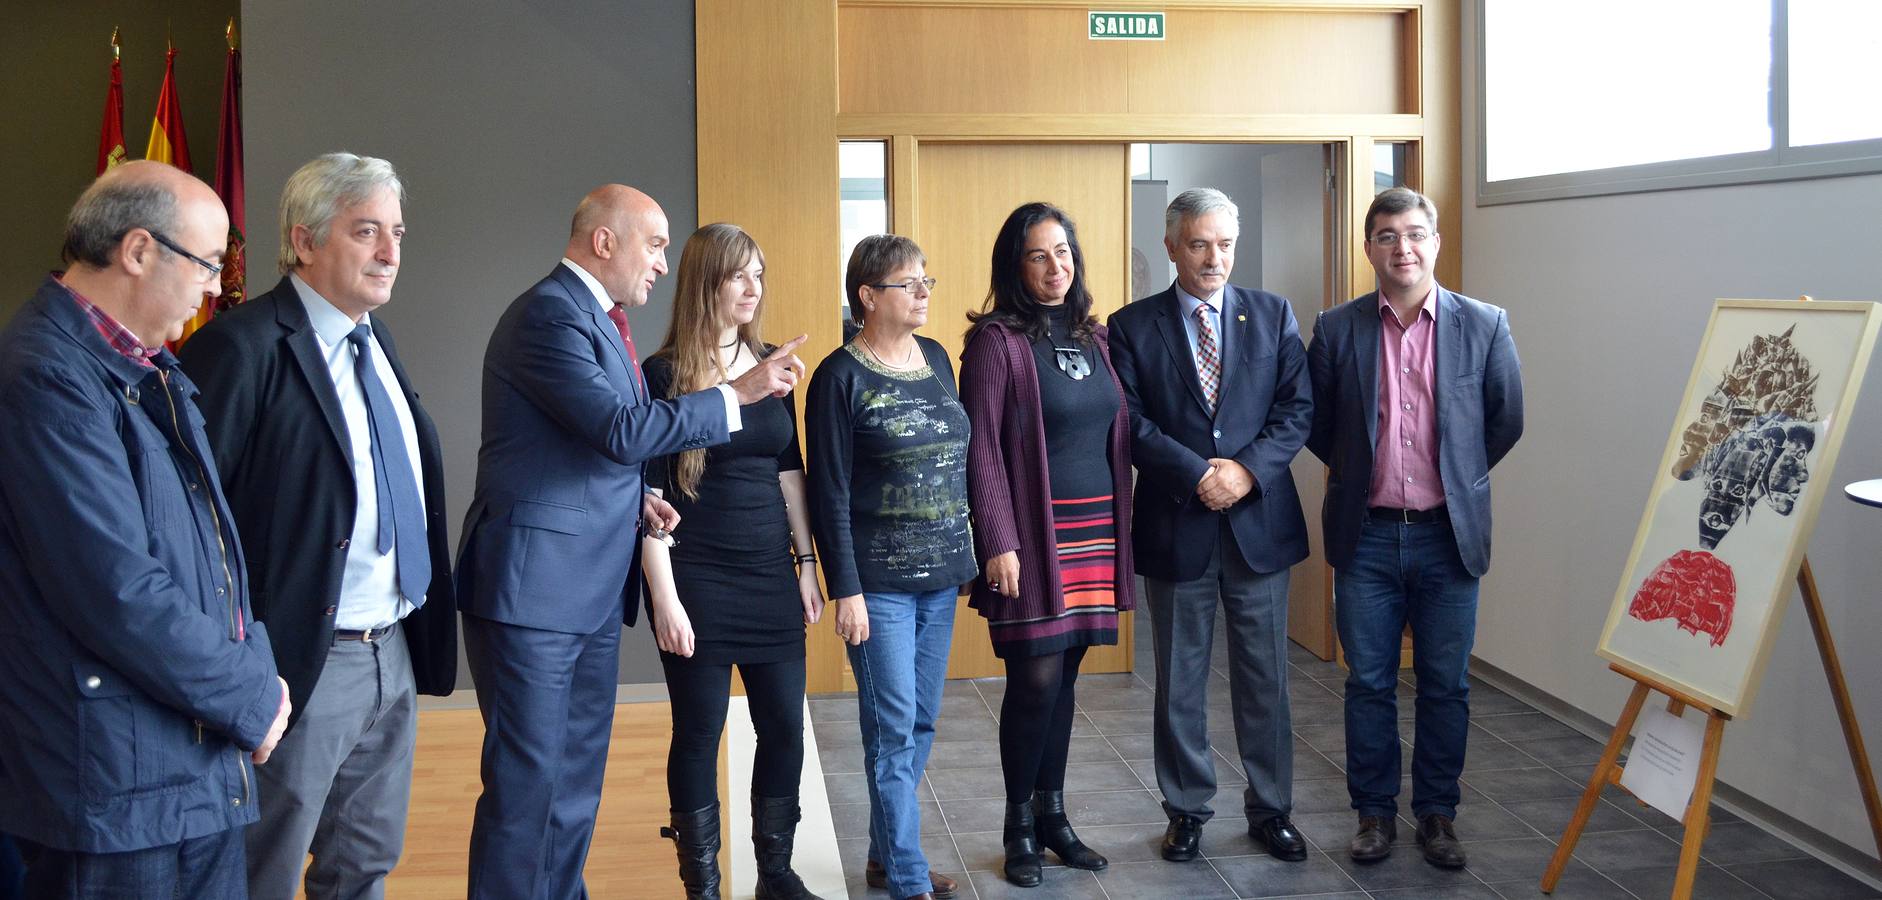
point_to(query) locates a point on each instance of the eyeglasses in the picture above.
(909, 285)
(211, 270)
(1391, 238)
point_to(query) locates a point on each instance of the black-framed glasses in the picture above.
(909, 285)
(214, 270)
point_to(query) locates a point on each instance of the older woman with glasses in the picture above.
(888, 487)
(1049, 472)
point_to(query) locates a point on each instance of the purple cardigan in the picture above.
(1006, 474)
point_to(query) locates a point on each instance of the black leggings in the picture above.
(700, 693)
(1036, 722)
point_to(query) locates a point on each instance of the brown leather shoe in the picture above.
(944, 887)
(1439, 840)
(1374, 840)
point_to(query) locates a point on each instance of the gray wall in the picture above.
(499, 117)
(58, 57)
(1608, 298)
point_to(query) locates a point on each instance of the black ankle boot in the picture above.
(774, 830)
(696, 835)
(1055, 833)
(1022, 846)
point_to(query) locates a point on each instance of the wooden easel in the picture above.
(1697, 810)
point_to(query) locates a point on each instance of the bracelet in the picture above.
(801, 558)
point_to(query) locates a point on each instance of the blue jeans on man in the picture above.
(899, 672)
(1406, 574)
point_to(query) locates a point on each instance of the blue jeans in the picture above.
(210, 867)
(899, 672)
(1406, 574)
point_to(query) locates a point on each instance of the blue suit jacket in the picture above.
(1262, 421)
(1478, 388)
(552, 538)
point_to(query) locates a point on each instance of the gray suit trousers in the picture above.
(339, 783)
(1182, 621)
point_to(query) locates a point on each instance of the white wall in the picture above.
(1233, 169)
(1608, 297)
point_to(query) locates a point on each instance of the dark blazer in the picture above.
(280, 441)
(551, 540)
(1266, 408)
(132, 681)
(1478, 388)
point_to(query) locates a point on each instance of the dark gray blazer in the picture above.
(1478, 388)
(1261, 422)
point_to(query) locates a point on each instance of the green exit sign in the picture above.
(1125, 26)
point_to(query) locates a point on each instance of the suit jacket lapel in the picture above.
(420, 421)
(304, 346)
(1176, 338)
(611, 335)
(1366, 358)
(1450, 350)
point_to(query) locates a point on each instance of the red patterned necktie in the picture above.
(1208, 356)
(619, 317)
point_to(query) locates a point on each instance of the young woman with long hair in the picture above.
(736, 582)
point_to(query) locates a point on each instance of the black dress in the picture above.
(732, 557)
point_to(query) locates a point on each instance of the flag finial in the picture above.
(114, 43)
(229, 32)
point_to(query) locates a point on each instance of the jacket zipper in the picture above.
(222, 551)
(215, 518)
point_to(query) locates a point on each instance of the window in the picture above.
(1612, 96)
(862, 168)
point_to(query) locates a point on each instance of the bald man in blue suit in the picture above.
(549, 561)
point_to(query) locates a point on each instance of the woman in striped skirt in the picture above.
(1048, 472)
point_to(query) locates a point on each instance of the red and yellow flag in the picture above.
(111, 133)
(167, 143)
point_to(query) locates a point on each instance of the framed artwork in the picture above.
(1736, 494)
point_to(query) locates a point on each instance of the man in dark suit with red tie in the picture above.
(549, 564)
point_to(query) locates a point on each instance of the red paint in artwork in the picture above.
(1693, 588)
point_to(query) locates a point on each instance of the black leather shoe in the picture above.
(1020, 840)
(1281, 838)
(1439, 840)
(1183, 839)
(1055, 833)
(1375, 837)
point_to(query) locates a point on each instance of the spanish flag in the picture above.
(111, 133)
(167, 143)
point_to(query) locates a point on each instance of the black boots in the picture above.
(1022, 846)
(1055, 833)
(774, 829)
(696, 835)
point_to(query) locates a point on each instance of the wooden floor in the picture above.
(628, 860)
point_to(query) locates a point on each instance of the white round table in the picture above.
(1868, 493)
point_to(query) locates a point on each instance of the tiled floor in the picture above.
(1521, 781)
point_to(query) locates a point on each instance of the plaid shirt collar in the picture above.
(120, 338)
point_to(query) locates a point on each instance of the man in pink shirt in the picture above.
(1417, 394)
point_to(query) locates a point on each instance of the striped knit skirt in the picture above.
(1087, 550)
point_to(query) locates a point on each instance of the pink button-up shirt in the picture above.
(1405, 460)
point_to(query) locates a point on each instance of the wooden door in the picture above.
(961, 193)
